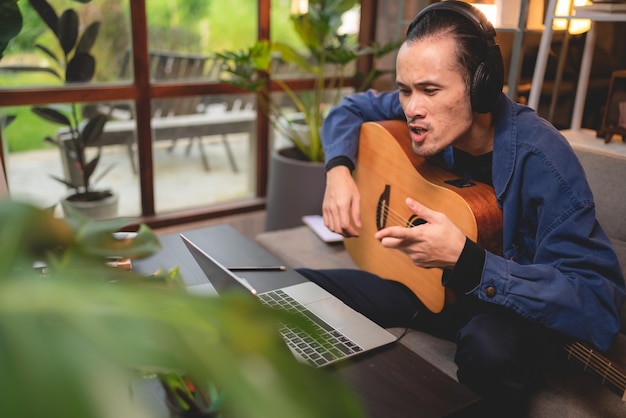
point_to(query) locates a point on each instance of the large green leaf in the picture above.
(88, 38)
(76, 341)
(25, 233)
(51, 115)
(98, 333)
(48, 52)
(46, 13)
(11, 22)
(68, 30)
(290, 55)
(81, 68)
(31, 69)
(92, 131)
(68, 183)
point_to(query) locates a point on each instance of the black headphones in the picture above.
(487, 81)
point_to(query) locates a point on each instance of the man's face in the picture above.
(433, 94)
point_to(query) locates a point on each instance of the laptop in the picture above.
(344, 332)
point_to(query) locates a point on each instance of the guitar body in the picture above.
(388, 171)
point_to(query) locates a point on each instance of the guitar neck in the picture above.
(595, 362)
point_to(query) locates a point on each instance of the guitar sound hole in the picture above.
(414, 221)
(382, 208)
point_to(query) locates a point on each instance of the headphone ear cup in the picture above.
(487, 82)
(482, 89)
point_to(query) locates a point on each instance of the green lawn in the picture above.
(27, 130)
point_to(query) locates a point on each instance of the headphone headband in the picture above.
(466, 10)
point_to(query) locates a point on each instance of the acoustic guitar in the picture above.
(387, 173)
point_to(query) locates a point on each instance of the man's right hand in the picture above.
(342, 200)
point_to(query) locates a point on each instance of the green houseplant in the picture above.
(81, 339)
(11, 22)
(76, 334)
(296, 174)
(72, 62)
(327, 56)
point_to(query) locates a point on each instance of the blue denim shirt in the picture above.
(558, 266)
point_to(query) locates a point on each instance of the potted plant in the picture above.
(73, 63)
(73, 143)
(82, 339)
(327, 56)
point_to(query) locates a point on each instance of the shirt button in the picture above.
(490, 291)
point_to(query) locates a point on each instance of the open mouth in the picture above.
(418, 131)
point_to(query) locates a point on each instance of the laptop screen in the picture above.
(222, 279)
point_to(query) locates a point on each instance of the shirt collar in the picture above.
(504, 144)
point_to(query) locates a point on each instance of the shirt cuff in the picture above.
(468, 272)
(340, 160)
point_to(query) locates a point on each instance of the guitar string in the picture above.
(586, 356)
(600, 366)
(394, 216)
(609, 376)
(398, 219)
(591, 359)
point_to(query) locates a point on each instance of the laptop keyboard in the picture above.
(331, 344)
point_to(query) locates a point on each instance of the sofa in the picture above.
(567, 389)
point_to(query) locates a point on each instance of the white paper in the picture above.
(316, 223)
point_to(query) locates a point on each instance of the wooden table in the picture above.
(392, 381)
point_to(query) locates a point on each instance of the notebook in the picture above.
(316, 223)
(345, 332)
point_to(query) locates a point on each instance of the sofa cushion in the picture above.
(620, 249)
(605, 171)
(605, 174)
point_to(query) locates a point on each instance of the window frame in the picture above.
(142, 91)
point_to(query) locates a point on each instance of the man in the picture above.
(558, 275)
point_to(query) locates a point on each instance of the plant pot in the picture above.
(295, 189)
(95, 205)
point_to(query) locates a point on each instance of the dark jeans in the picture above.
(499, 354)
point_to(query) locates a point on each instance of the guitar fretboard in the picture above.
(609, 372)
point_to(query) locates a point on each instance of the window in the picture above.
(172, 124)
